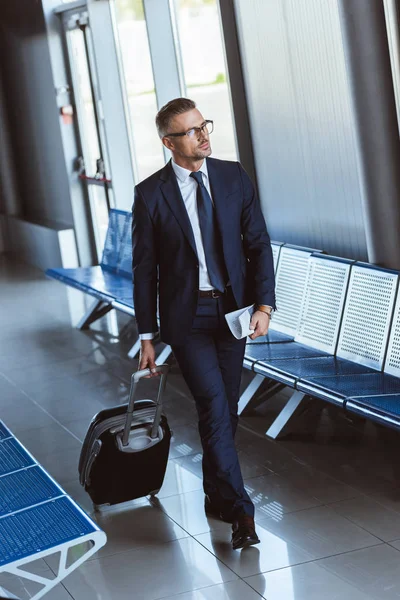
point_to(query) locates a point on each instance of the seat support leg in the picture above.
(161, 358)
(249, 392)
(135, 349)
(96, 311)
(273, 388)
(164, 354)
(86, 547)
(297, 404)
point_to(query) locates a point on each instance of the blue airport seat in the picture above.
(362, 340)
(13, 456)
(271, 352)
(276, 251)
(317, 324)
(290, 288)
(40, 528)
(125, 254)
(118, 233)
(4, 432)
(25, 488)
(384, 410)
(272, 337)
(37, 518)
(110, 282)
(338, 388)
(323, 366)
(96, 281)
(112, 279)
(291, 265)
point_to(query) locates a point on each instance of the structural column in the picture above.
(378, 145)
(237, 87)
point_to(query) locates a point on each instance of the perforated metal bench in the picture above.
(363, 338)
(361, 346)
(291, 266)
(110, 282)
(38, 519)
(383, 407)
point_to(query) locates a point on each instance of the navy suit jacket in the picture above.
(165, 262)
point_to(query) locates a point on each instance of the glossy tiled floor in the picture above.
(327, 498)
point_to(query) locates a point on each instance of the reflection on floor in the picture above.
(327, 499)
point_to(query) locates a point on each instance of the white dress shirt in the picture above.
(188, 188)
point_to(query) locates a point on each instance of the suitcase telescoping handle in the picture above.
(136, 377)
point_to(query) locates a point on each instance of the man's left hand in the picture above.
(260, 323)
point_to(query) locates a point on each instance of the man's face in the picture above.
(194, 147)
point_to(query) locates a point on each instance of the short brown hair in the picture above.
(169, 111)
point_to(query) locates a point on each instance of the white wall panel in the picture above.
(301, 123)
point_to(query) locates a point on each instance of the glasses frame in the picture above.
(194, 129)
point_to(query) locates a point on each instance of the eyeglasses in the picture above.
(207, 126)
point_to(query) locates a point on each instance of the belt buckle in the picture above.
(215, 294)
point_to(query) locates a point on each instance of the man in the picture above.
(201, 244)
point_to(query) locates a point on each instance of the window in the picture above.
(200, 43)
(139, 84)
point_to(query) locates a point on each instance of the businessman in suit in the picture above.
(201, 246)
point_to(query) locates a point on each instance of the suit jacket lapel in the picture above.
(172, 194)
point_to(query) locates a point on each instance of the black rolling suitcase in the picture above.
(125, 452)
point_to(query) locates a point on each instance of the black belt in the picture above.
(211, 293)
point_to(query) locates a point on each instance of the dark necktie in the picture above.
(209, 233)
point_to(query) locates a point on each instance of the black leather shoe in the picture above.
(214, 511)
(244, 533)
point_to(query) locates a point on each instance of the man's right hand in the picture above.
(147, 358)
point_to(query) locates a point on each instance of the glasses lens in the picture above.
(210, 126)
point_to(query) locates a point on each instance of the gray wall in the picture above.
(33, 118)
(9, 200)
(302, 124)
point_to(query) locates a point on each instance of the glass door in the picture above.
(92, 164)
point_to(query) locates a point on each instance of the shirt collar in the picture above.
(184, 174)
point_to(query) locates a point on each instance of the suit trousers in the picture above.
(211, 361)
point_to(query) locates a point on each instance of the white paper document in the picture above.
(239, 321)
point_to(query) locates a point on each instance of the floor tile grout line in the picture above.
(293, 454)
(369, 497)
(290, 512)
(145, 546)
(43, 410)
(267, 517)
(379, 543)
(208, 587)
(298, 563)
(289, 452)
(193, 536)
(360, 526)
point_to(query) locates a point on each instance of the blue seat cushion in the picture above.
(117, 238)
(4, 432)
(25, 488)
(322, 366)
(272, 337)
(13, 456)
(377, 407)
(272, 352)
(340, 387)
(97, 281)
(40, 528)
